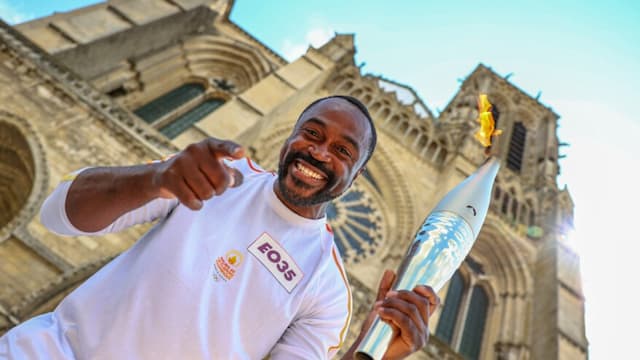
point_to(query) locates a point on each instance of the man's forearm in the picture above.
(99, 196)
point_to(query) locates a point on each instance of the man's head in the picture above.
(331, 142)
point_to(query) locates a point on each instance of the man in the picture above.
(241, 265)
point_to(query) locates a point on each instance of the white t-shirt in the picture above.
(242, 278)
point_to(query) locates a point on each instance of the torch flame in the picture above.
(487, 124)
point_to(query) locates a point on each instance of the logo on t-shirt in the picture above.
(276, 259)
(225, 267)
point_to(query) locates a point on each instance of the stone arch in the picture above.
(384, 114)
(404, 126)
(431, 149)
(503, 103)
(394, 121)
(526, 118)
(422, 141)
(357, 93)
(503, 259)
(497, 192)
(213, 56)
(345, 87)
(412, 136)
(442, 155)
(23, 173)
(506, 266)
(466, 274)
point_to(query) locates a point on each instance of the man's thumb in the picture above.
(385, 284)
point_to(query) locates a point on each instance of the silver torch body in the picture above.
(441, 244)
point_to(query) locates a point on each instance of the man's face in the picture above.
(324, 154)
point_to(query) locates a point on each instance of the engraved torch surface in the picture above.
(439, 247)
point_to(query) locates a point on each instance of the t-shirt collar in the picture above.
(287, 214)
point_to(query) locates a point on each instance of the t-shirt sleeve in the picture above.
(53, 214)
(320, 332)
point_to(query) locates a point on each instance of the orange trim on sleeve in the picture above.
(253, 166)
(329, 229)
(346, 283)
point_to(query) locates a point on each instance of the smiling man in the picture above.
(329, 146)
(241, 264)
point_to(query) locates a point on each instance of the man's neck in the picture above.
(310, 212)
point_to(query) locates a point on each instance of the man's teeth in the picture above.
(308, 172)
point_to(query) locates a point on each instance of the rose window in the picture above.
(357, 224)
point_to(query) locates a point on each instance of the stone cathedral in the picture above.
(127, 81)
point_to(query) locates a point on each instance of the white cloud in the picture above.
(292, 51)
(315, 37)
(11, 14)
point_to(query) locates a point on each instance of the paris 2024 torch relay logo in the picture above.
(225, 267)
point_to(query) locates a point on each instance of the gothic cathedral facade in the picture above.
(124, 82)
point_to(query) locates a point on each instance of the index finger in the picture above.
(225, 149)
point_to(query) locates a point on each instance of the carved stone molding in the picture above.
(416, 131)
(40, 171)
(142, 138)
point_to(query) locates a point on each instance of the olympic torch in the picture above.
(440, 245)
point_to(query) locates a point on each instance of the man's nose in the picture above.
(320, 152)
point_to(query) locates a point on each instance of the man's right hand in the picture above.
(100, 195)
(197, 173)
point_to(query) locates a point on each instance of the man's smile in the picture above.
(307, 172)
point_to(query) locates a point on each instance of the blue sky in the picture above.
(584, 56)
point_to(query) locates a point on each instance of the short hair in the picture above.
(363, 109)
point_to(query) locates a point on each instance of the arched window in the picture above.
(169, 102)
(516, 147)
(177, 110)
(449, 316)
(505, 204)
(514, 209)
(474, 324)
(183, 122)
(464, 314)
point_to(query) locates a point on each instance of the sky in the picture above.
(584, 58)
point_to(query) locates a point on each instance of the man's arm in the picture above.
(99, 196)
(407, 312)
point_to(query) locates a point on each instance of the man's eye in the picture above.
(343, 150)
(312, 132)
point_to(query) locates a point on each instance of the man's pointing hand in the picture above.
(198, 172)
